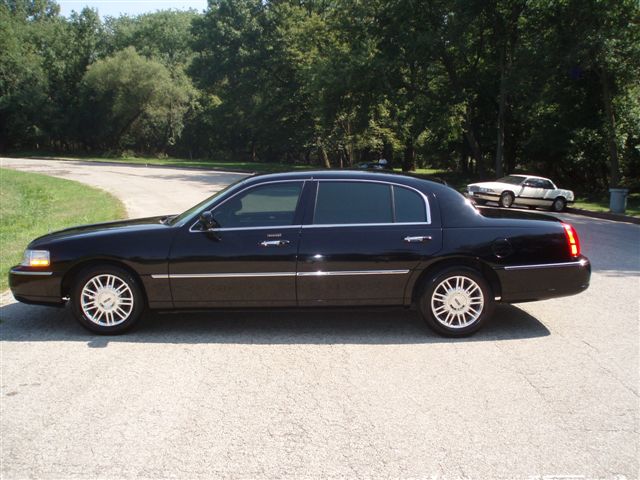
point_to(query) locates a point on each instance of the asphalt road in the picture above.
(545, 389)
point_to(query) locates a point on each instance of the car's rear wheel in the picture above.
(558, 204)
(506, 199)
(456, 301)
(107, 300)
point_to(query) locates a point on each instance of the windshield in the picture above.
(511, 179)
(184, 216)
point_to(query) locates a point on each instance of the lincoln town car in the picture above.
(309, 240)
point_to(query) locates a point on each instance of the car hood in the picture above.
(106, 228)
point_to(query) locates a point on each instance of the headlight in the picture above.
(486, 190)
(36, 258)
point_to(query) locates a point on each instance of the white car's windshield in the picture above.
(511, 179)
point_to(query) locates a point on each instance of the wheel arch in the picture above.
(70, 276)
(470, 262)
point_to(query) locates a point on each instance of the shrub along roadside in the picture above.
(32, 205)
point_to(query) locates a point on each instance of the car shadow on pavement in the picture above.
(23, 323)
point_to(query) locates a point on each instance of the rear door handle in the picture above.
(422, 239)
(274, 243)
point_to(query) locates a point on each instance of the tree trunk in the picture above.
(409, 160)
(324, 157)
(614, 171)
(501, 107)
(475, 148)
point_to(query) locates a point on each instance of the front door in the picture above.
(363, 242)
(250, 260)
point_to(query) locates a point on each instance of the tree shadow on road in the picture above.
(23, 323)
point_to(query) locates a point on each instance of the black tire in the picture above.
(430, 302)
(506, 199)
(125, 307)
(558, 204)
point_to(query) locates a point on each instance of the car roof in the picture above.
(338, 174)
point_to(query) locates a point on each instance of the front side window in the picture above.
(263, 206)
(353, 203)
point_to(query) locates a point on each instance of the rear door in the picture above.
(361, 242)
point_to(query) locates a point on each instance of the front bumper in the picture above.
(526, 283)
(36, 286)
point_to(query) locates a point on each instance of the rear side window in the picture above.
(353, 203)
(409, 206)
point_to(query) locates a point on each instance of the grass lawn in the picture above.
(602, 205)
(32, 205)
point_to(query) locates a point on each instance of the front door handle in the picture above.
(422, 239)
(274, 243)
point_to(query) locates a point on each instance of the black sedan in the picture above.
(312, 239)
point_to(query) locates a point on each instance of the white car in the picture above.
(523, 190)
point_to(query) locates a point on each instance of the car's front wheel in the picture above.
(456, 301)
(107, 300)
(506, 199)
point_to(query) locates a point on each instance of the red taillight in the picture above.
(572, 240)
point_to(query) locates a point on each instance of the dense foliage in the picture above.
(477, 86)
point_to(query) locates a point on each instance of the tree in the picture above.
(131, 101)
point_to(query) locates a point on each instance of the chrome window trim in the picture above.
(23, 272)
(334, 225)
(248, 187)
(383, 182)
(318, 273)
(232, 229)
(580, 263)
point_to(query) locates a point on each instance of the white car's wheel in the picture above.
(558, 204)
(506, 199)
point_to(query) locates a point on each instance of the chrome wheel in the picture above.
(457, 302)
(106, 300)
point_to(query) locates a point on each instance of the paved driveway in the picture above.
(547, 388)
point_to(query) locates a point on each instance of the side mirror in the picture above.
(207, 220)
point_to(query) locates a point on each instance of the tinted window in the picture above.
(353, 202)
(267, 205)
(409, 205)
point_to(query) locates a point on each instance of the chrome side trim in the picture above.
(280, 274)
(352, 272)
(580, 263)
(23, 272)
(226, 275)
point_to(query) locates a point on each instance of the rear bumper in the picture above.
(526, 283)
(36, 287)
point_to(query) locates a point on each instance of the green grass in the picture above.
(32, 205)
(602, 204)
